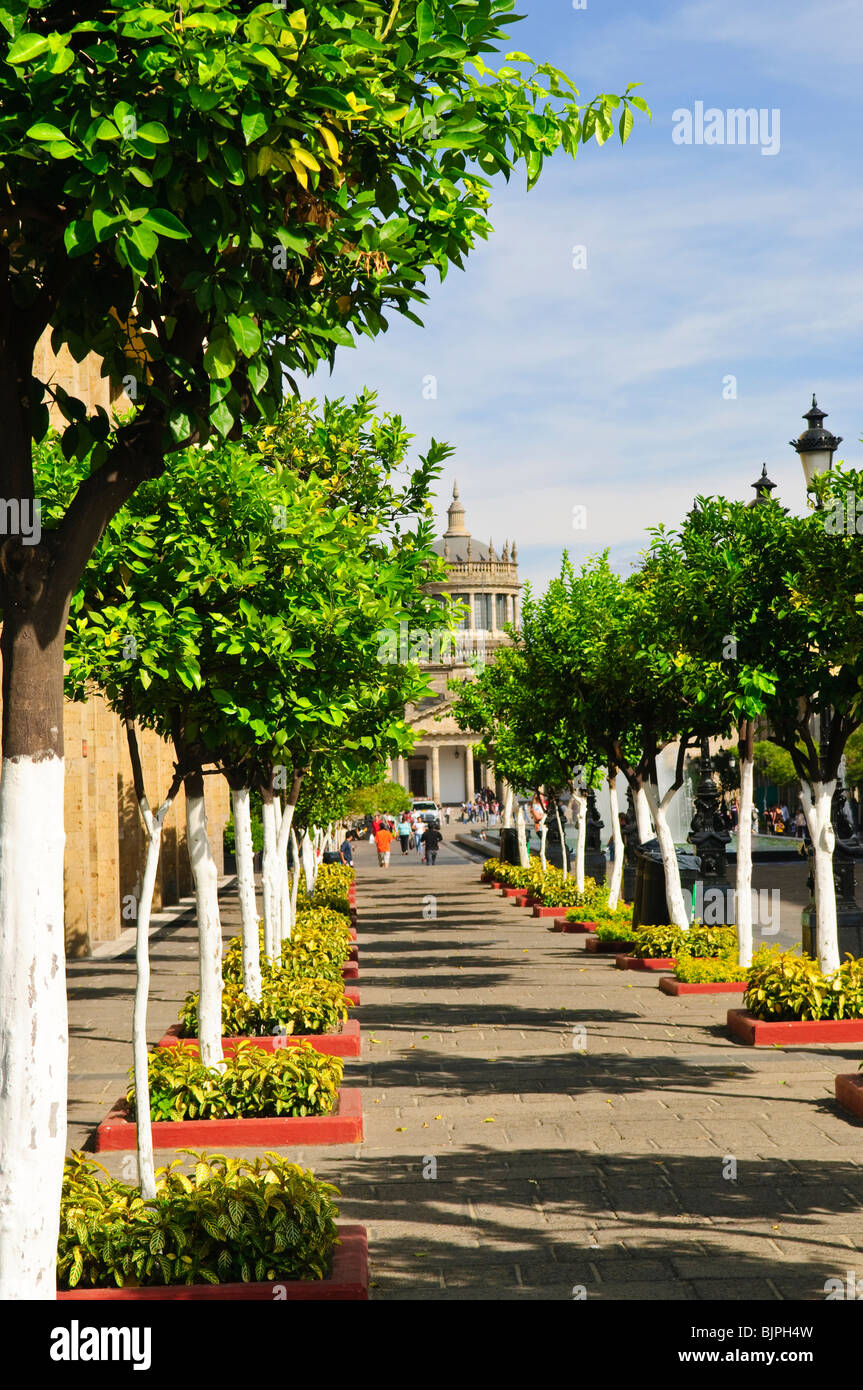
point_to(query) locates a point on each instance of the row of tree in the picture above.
(745, 619)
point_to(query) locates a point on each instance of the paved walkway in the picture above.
(501, 1161)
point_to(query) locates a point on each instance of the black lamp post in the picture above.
(707, 833)
(816, 447)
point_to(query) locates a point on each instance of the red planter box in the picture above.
(606, 948)
(744, 1026)
(353, 994)
(561, 924)
(345, 1043)
(512, 892)
(522, 900)
(545, 911)
(348, 1280)
(644, 963)
(343, 1126)
(351, 971)
(353, 932)
(671, 986)
(849, 1093)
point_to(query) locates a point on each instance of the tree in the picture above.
(774, 764)
(207, 198)
(385, 797)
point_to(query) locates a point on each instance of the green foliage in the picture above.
(782, 985)
(563, 892)
(616, 931)
(234, 1220)
(621, 916)
(774, 763)
(241, 193)
(668, 940)
(387, 798)
(257, 832)
(288, 1082)
(288, 1004)
(708, 969)
(318, 947)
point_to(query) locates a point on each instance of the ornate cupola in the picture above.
(455, 516)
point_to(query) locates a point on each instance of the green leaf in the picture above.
(245, 333)
(166, 224)
(43, 131)
(424, 23)
(153, 132)
(26, 48)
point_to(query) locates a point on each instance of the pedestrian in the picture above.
(418, 834)
(431, 839)
(800, 823)
(405, 834)
(446, 813)
(346, 853)
(383, 840)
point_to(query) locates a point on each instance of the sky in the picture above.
(591, 394)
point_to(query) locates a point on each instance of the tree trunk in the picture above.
(677, 914)
(507, 806)
(523, 856)
(141, 1058)
(564, 860)
(206, 881)
(270, 878)
(744, 849)
(817, 800)
(617, 866)
(295, 854)
(642, 815)
(581, 822)
(241, 806)
(33, 1015)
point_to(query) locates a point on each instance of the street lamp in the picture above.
(816, 445)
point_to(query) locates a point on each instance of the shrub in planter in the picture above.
(658, 942)
(232, 1221)
(288, 1082)
(667, 941)
(491, 871)
(786, 987)
(616, 931)
(621, 917)
(318, 949)
(319, 918)
(287, 1005)
(703, 970)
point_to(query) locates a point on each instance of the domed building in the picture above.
(442, 764)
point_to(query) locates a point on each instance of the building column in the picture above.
(435, 774)
(468, 773)
(400, 772)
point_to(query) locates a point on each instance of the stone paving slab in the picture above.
(554, 1167)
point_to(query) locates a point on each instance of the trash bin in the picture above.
(509, 845)
(331, 856)
(650, 905)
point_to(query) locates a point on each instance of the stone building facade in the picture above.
(442, 764)
(105, 842)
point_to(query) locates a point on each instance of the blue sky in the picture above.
(603, 388)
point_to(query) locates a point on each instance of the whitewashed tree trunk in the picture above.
(295, 855)
(817, 800)
(677, 914)
(307, 853)
(543, 836)
(270, 879)
(523, 855)
(744, 864)
(141, 1062)
(33, 1025)
(241, 806)
(642, 815)
(581, 828)
(564, 861)
(206, 880)
(617, 864)
(507, 806)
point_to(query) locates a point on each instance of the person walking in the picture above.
(418, 834)
(346, 853)
(446, 813)
(432, 840)
(383, 840)
(405, 834)
(800, 823)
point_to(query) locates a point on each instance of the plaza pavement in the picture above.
(539, 1125)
